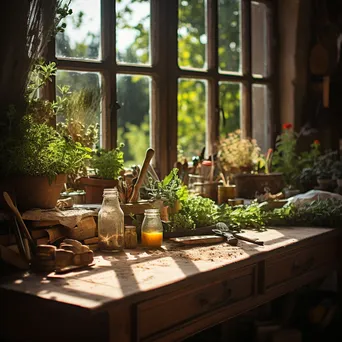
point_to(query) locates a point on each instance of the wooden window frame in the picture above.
(165, 73)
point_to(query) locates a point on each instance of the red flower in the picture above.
(287, 126)
(316, 142)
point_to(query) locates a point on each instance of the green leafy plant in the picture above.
(203, 211)
(324, 165)
(307, 178)
(37, 149)
(108, 164)
(318, 213)
(169, 190)
(286, 158)
(181, 222)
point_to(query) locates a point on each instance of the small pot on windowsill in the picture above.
(324, 183)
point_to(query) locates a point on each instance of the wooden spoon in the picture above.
(15, 210)
(142, 173)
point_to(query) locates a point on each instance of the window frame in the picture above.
(165, 73)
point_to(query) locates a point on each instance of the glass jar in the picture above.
(131, 239)
(111, 222)
(152, 229)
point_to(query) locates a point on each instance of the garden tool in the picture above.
(142, 173)
(20, 221)
(222, 229)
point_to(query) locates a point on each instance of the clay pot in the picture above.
(324, 183)
(37, 191)
(248, 184)
(94, 188)
(225, 192)
(210, 190)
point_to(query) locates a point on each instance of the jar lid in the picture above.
(152, 211)
(130, 227)
(207, 163)
(110, 192)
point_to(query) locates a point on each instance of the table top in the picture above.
(139, 272)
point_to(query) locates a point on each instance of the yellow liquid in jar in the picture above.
(152, 239)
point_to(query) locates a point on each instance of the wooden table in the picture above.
(164, 295)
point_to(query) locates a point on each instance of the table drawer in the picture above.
(164, 312)
(295, 263)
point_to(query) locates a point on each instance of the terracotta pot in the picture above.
(225, 192)
(94, 188)
(210, 190)
(248, 184)
(324, 183)
(175, 209)
(37, 192)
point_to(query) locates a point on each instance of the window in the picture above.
(184, 72)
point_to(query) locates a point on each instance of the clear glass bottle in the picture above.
(152, 229)
(111, 223)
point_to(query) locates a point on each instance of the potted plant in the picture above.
(169, 191)
(324, 178)
(36, 157)
(288, 161)
(324, 168)
(307, 179)
(241, 160)
(106, 167)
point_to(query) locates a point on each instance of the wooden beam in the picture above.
(246, 42)
(213, 91)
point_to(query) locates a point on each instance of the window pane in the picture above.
(260, 48)
(83, 105)
(230, 104)
(192, 112)
(192, 35)
(81, 38)
(133, 31)
(229, 18)
(133, 93)
(260, 119)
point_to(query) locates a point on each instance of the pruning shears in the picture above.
(232, 238)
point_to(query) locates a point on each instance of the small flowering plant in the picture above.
(238, 155)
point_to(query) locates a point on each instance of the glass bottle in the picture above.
(111, 222)
(131, 239)
(152, 229)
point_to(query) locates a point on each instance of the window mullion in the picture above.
(246, 118)
(108, 40)
(213, 90)
(171, 59)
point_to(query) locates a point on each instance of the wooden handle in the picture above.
(143, 171)
(15, 210)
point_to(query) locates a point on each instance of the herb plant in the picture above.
(203, 211)
(288, 161)
(108, 164)
(37, 149)
(169, 190)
